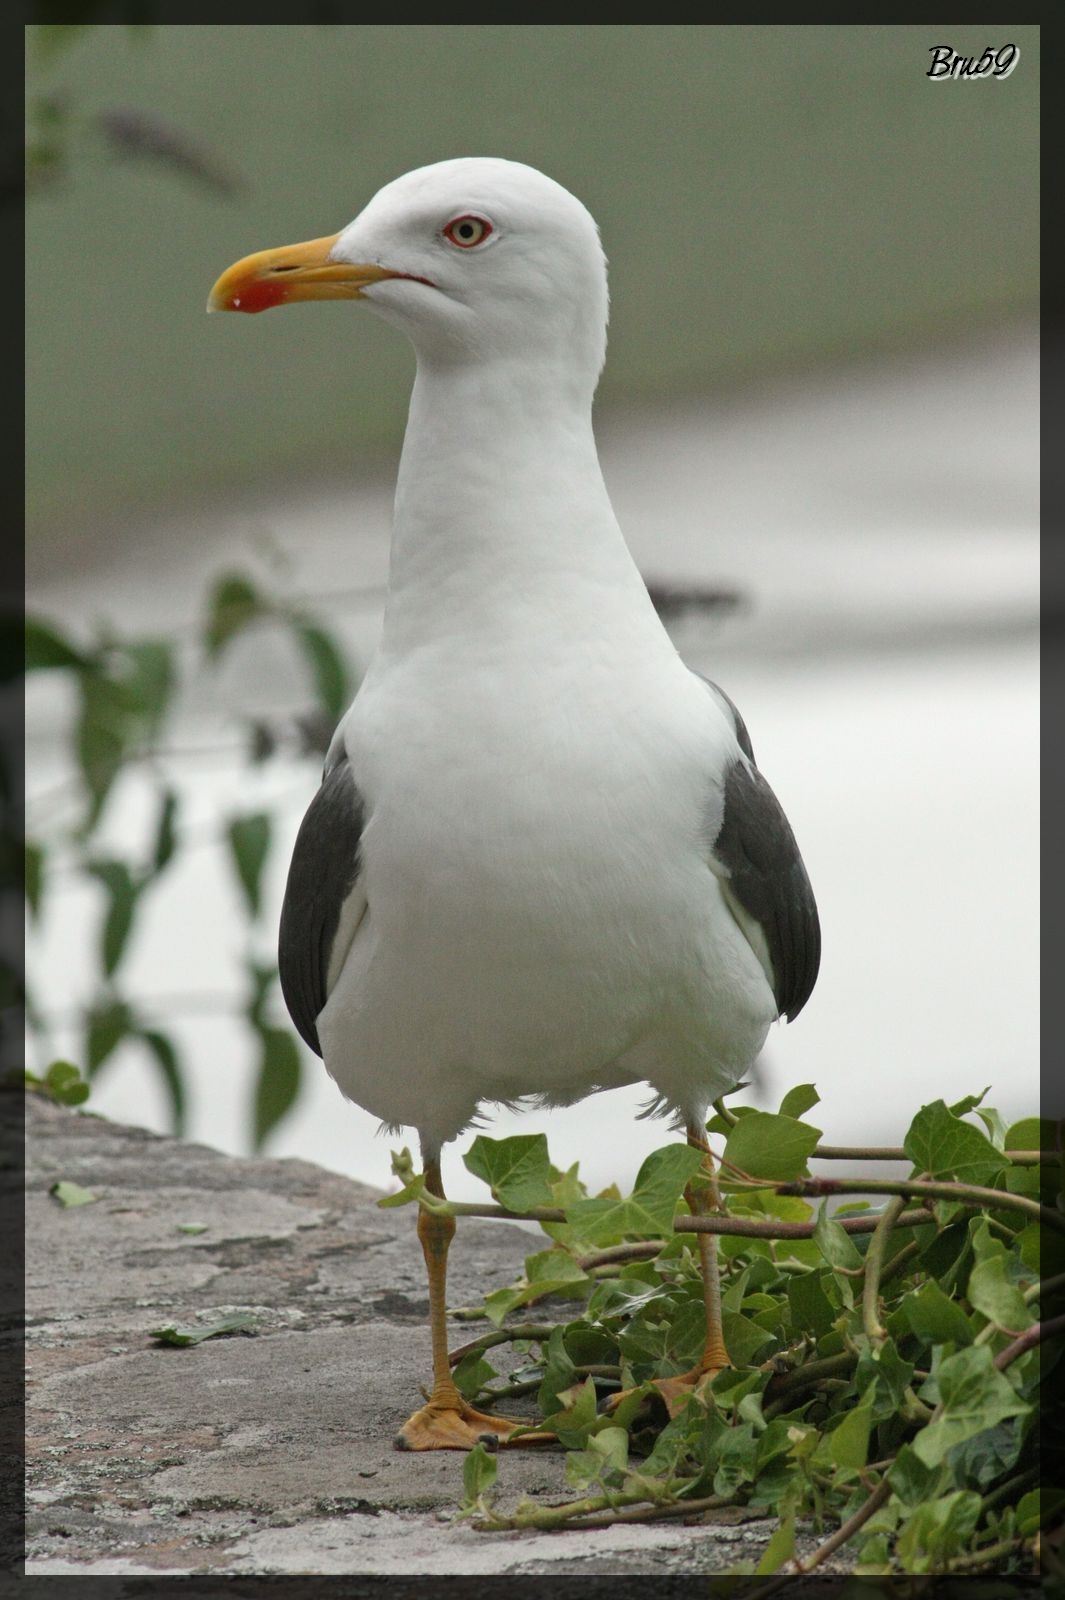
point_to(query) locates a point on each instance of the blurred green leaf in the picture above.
(234, 605)
(263, 976)
(147, 672)
(64, 1083)
(249, 842)
(165, 835)
(34, 876)
(72, 1195)
(331, 680)
(278, 1083)
(104, 735)
(46, 647)
(122, 892)
(107, 1024)
(164, 1050)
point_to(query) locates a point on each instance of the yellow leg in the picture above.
(447, 1421)
(676, 1391)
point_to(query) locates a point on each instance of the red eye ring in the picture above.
(467, 232)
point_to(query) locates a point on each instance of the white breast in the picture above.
(541, 916)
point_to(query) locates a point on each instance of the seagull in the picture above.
(542, 861)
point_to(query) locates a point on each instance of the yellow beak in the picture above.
(296, 272)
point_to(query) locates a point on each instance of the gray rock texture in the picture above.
(271, 1453)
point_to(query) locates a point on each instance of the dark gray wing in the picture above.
(742, 736)
(764, 872)
(321, 878)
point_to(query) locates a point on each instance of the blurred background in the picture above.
(818, 425)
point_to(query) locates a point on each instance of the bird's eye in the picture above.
(467, 232)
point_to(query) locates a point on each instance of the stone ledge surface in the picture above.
(270, 1454)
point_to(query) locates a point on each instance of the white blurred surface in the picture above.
(881, 523)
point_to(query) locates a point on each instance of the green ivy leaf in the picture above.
(848, 1443)
(936, 1318)
(940, 1143)
(413, 1183)
(938, 1530)
(744, 1339)
(550, 1272)
(834, 1242)
(974, 1395)
(171, 1334)
(577, 1415)
(234, 605)
(278, 1083)
(995, 1296)
(517, 1170)
(811, 1309)
(968, 1102)
(1032, 1133)
(650, 1208)
(604, 1461)
(780, 1549)
(802, 1098)
(331, 680)
(889, 1373)
(737, 1459)
(767, 1145)
(559, 1373)
(1039, 1508)
(479, 1472)
(472, 1373)
(986, 1458)
(912, 1480)
(249, 843)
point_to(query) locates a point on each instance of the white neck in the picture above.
(502, 515)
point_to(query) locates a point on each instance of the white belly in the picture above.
(541, 918)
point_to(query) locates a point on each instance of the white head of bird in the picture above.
(478, 260)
